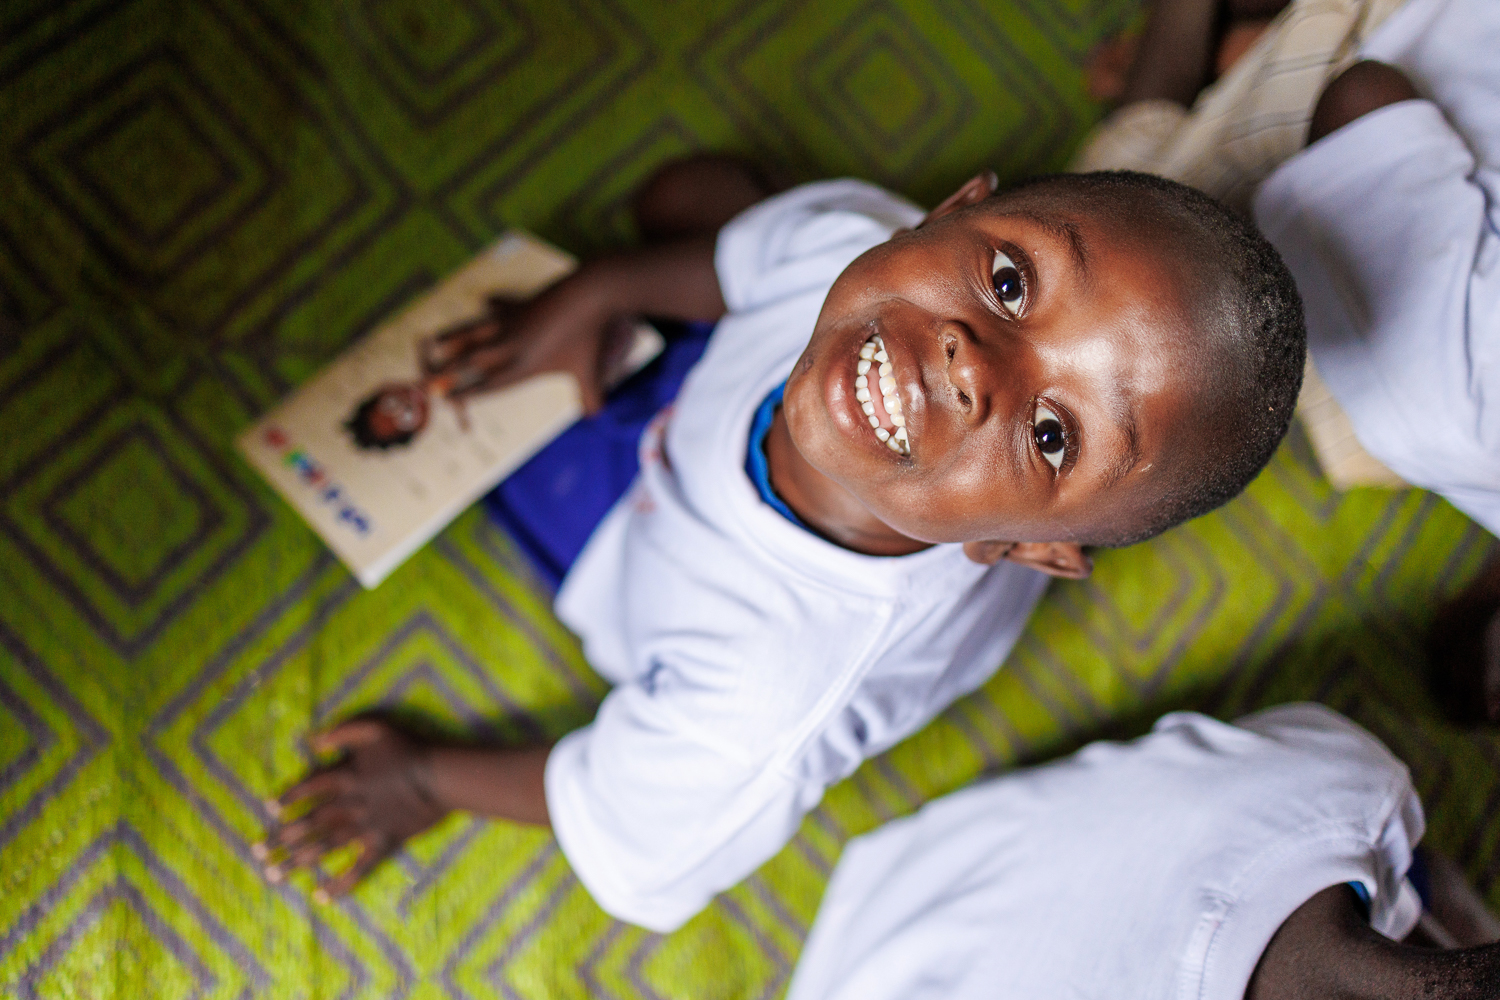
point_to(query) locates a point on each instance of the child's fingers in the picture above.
(327, 840)
(373, 849)
(309, 853)
(591, 396)
(312, 845)
(321, 784)
(350, 735)
(342, 836)
(321, 819)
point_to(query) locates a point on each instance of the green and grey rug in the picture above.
(201, 201)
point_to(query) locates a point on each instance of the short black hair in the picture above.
(1247, 308)
(358, 425)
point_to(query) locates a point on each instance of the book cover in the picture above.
(392, 440)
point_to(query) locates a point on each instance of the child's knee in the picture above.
(696, 195)
(1362, 88)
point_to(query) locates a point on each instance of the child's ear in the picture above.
(1064, 559)
(978, 188)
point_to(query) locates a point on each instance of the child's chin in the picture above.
(822, 433)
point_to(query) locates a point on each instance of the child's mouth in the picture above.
(875, 388)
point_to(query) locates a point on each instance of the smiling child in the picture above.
(901, 427)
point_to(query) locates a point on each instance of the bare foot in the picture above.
(696, 195)
(375, 797)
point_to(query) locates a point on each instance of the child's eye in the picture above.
(1051, 439)
(1009, 285)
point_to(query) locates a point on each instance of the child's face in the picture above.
(1039, 365)
(401, 410)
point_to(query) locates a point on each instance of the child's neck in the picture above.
(825, 506)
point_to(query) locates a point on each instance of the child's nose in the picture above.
(968, 376)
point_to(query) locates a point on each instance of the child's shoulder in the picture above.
(802, 239)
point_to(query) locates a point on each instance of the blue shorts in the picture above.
(552, 504)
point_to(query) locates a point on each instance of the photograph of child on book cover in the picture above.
(455, 365)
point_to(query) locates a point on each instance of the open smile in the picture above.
(875, 389)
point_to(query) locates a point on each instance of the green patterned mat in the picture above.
(204, 201)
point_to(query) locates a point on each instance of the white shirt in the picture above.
(1152, 870)
(1391, 226)
(754, 663)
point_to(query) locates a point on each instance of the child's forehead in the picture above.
(1078, 218)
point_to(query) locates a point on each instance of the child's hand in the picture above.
(565, 329)
(568, 327)
(377, 796)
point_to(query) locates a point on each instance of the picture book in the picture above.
(412, 424)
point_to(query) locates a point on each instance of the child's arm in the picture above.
(391, 786)
(564, 328)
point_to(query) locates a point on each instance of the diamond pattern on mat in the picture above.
(151, 164)
(129, 521)
(211, 198)
(600, 209)
(433, 57)
(24, 737)
(203, 189)
(116, 515)
(60, 737)
(402, 674)
(434, 40)
(143, 950)
(26, 298)
(891, 95)
(120, 923)
(152, 167)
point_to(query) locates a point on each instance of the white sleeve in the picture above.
(657, 808)
(1384, 224)
(803, 239)
(1324, 735)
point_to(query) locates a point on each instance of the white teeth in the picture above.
(872, 354)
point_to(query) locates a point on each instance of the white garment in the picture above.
(1391, 226)
(754, 663)
(1156, 869)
